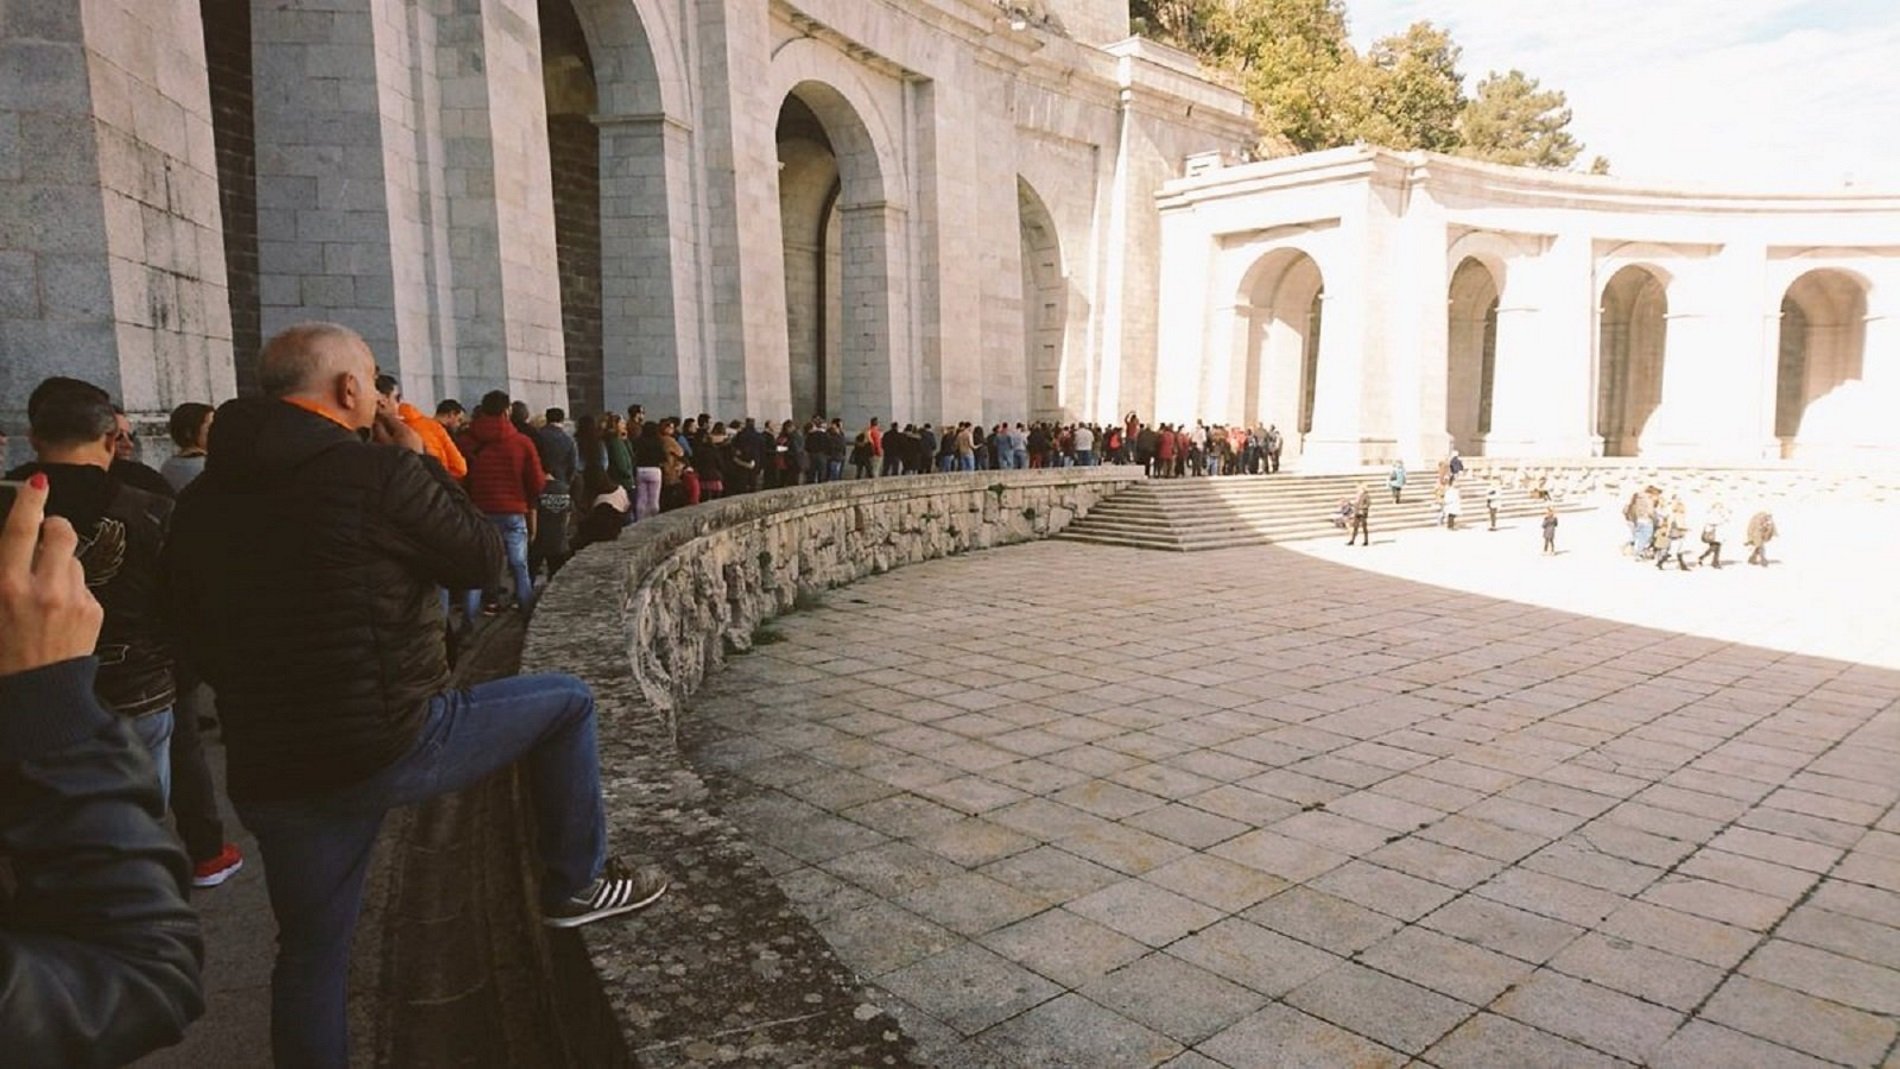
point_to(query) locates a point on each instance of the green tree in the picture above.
(1600, 165)
(1417, 92)
(1288, 56)
(1510, 120)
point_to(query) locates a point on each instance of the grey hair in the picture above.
(296, 357)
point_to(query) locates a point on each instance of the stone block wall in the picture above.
(227, 33)
(574, 152)
(643, 620)
(1740, 486)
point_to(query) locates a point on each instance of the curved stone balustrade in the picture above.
(724, 963)
(1613, 479)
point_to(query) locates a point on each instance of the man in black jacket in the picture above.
(121, 531)
(99, 955)
(303, 571)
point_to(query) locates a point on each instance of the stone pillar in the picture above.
(1541, 386)
(1185, 339)
(111, 248)
(649, 288)
(1710, 401)
(949, 326)
(877, 379)
(1339, 391)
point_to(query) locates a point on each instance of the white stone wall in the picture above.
(1389, 230)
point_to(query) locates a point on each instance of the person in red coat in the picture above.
(505, 481)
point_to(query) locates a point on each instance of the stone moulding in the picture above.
(725, 967)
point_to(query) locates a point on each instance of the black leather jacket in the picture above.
(121, 535)
(302, 571)
(99, 953)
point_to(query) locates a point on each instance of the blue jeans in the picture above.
(1085, 458)
(154, 729)
(514, 538)
(316, 849)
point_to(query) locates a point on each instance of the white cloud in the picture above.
(1758, 94)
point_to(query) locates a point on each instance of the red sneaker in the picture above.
(214, 871)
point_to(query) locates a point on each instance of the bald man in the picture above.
(303, 570)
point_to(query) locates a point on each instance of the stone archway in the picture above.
(1471, 355)
(1632, 343)
(614, 158)
(837, 227)
(1822, 346)
(1045, 305)
(1283, 295)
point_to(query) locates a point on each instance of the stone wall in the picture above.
(727, 968)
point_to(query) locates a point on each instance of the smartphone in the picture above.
(9, 492)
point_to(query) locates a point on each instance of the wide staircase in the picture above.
(1249, 510)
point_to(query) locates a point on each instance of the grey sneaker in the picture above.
(614, 893)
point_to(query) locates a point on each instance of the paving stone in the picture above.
(891, 870)
(1435, 862)
(1634, 969)
(1046, 820)
(1807, 1024)
(974, 842)
(1594, 1016)
(969, 987)
(1151, 914)
(1826, 975)
(1550, 896)
(1505, 929)
(1070, 1031)
(1384, 890)
(1172, 997)
(1718, 901)
(972, 794)
(1877, 944)
(1280, 1037)
(1489, 1041)
(1701, 1045)
(1053, 875)
(1254, 957)
(1383, 1008)
(1324, 920)
(1706, 941)
(1462, 970)
(1279, 855)
(1191, 827)
(1334, 832)
(1106, 799)
(1122, 848)
(879, 937)
(1065, 947)
(970, 903)
(1225, 885)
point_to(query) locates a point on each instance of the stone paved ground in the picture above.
(1066, 805)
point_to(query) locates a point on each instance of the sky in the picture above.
(1759, 95)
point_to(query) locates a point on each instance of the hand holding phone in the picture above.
(46, 613)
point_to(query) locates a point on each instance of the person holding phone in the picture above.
(100, 956)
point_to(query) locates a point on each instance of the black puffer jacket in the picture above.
(100, 955)
(122, 531)
(303, 568)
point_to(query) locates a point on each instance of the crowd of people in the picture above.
(1661, 529)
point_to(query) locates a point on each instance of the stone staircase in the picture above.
(1249, 510)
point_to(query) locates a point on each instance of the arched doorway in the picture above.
(1045, 304)
(609, 157)
(1823, 344)
(808, 191)
(1631, 343)
(1471, 355)
(835, 222)
(1283, 295)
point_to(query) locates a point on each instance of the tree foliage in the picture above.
(1311, 90)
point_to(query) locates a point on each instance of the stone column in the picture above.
(949, 326)
(650, 308)
(111, 248)
(1185, 338)
(1339, 391)
(1544, 365)
(876, 313)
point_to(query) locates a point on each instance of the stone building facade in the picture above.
(1376, 304)
(919, 209)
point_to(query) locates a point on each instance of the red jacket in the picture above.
(504, 471)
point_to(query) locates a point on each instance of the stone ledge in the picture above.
(725, 967)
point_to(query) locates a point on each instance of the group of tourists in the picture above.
(1660, 531)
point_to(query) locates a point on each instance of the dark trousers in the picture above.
(1711, 549)
(1359, 528)
(317, 850)
(550, 545)
(194, 799)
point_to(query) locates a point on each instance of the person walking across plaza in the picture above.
(1395, 482)
(1491, 502)
(1714, 530)
(1361, 512)
(1550, 531)
(303, 567)
(1760, 532)
(1454, 504)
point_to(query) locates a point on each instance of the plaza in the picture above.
(1068, 805)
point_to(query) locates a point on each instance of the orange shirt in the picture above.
(317, 409)
(435, 440)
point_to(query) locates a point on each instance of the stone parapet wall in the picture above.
(1760, 483)
(726, 966)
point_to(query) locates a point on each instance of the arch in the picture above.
(840, 236)
(1471, 352)
(1632, 343)
(1283, 295)
(861, 135)
(1823, 342)
(635, 77)
(1045, 304)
